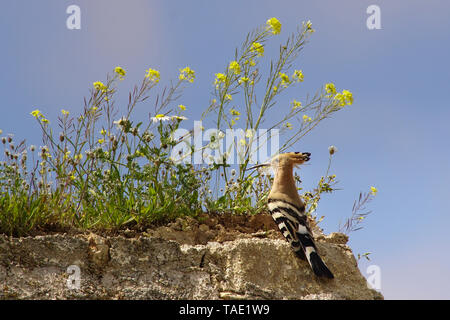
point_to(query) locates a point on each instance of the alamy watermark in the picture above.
(374, 277)
(373, 22)
(73, 21)
(74, 278)
(234, 146)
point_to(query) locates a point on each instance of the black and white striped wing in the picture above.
(287, 217)
(292, 222)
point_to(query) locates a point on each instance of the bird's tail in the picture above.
(309, 248)
(319, 267)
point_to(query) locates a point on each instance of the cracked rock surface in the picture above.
(149, 267)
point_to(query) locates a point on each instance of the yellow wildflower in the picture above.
(36, 113)
(187, 74)
(251, 62)
(78, 156)
(340, 97)
(330, 89)
(101, 141)
(103, 132)
(228, 97)
(182, 107)
(65, 112)
(308, 26)
(243, 80)
(242, 142)
(298, 75)
(258, 48)
(373, 191)
(274, 25)
(45, 121)
(120, 71)
(235, 67)
(234, 112)
(66, 155)
(275, 89)
(220, 78)
(348, 96)
(285, 81)
(296, 104)
(306, 118)
(288, 125)
(98, 85)
(153, 75)
(249, 133)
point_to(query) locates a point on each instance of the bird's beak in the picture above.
(259, 166)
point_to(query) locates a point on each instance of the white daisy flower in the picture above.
(160, 117)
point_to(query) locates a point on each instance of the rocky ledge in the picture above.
(89, 266)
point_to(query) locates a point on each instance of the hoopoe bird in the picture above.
(288, 210)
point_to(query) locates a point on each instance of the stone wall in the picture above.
(154, 268)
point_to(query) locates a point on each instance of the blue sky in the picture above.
(393, 137)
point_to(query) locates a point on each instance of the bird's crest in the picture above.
(283, 159)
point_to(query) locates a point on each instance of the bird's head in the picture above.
(285, 159)
(290, 159)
